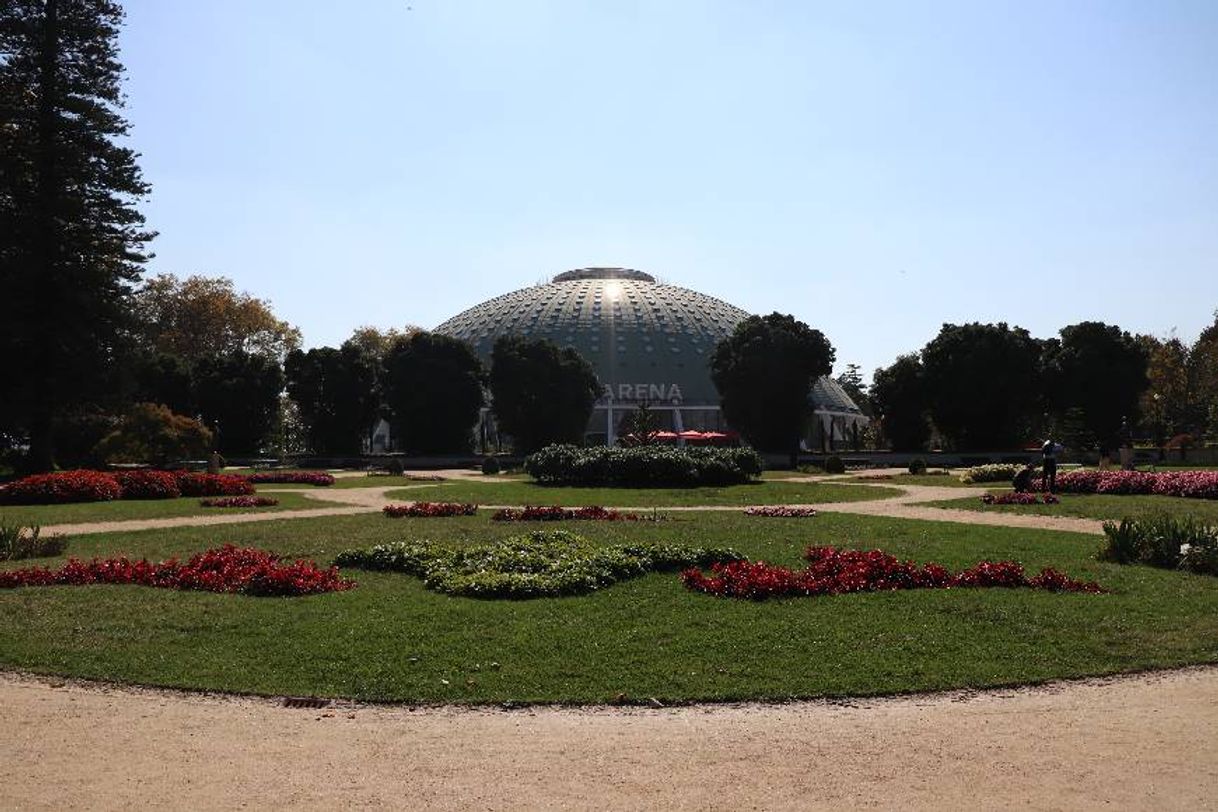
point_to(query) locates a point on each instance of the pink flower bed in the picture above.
(554, 513)
(1187, 484)
(833, 571)
(780, 511)
(430, 510)
(244, 571)
(239, 502)
(317, 478)
(1012, 498)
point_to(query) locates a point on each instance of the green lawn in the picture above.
(392, 639)
(772, 492)
(1097, 506)
(136, 509)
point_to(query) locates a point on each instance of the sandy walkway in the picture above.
(372, 499)
(1148, 742)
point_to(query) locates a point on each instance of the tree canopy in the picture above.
(1098, 372)
(336, 391)
(433, 390)
(71, 238)
(764, 372)
(205, 316)
(541, 393)
(983, 384)
(898, 397)
(238, 397)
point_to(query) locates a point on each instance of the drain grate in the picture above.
(305, 702)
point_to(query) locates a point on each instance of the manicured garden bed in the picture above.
(391, 638)
(123, 510)
(1097, 506)
(774, 492)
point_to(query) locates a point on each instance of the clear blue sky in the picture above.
(874, 168)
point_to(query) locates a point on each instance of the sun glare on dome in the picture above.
(613, 290)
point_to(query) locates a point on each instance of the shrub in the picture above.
(150, 432)
(643, 466)
(319, 479)
(998, 472)
(917, 466)
(395, 467)
(148, 484)
(539, 564)
(244, 571)
(833, 571)
(16, 544)
(561, 514)
(239, 502)
(60, 488)
(1013, 498)
(834, 465)
(196, 484)
(780, 511)
(1164, 541)
(430, 510)
(490, 466)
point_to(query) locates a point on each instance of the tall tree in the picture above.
(433, 388)
(205, 316)
(898, 397)
(336, 393)
(238, 397)
(71, 239)
(764, 372)
(983, 384)
(851, 381)
(1095, 374)
(541, 393)
(1167, 405)
(1203, 377)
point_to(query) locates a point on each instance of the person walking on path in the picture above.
(1048, 462)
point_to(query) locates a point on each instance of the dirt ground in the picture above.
(1140, 742)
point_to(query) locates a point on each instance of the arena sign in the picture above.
(643, 393)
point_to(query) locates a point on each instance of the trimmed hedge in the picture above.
(651, 466)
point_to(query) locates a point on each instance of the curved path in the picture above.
(1143, 742)
(908, 505)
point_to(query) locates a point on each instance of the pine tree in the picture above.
(71, 239)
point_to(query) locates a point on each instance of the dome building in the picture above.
(649, 342)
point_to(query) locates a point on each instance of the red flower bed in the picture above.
(244, 571)
(1187, 484)
(61, 487)
(554, 513)
(148, 484)
(318, 478)
(780, 511)
(1013, 498)
(192, 484)
(832, 571)
(429, 510)
(239, 502)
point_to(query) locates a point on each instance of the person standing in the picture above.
(1048, 462)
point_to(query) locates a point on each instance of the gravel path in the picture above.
(371, 500)
(1143, 742)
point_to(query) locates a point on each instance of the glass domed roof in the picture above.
(642, 336)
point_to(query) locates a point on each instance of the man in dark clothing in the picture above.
(1048, 461)
(1023, 478)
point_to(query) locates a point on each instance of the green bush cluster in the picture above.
(1001, 472)
(1163, 540)
(647, 466)
(917, 466)
(543, 563)
(15, 545)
